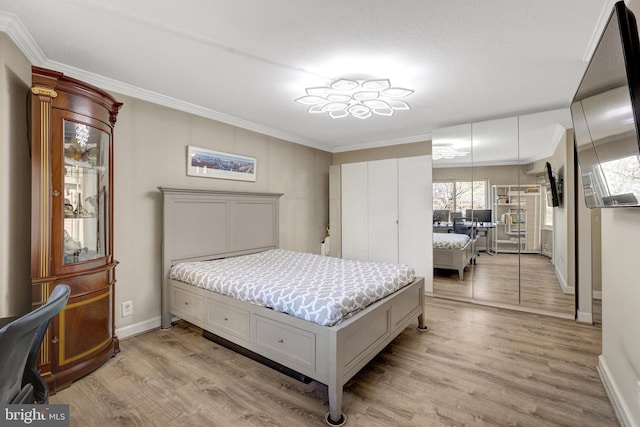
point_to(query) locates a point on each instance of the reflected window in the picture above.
(622, 175)
(444, 196)
(547, 218)
(458, 196)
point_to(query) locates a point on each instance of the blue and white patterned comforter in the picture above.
(320, 289)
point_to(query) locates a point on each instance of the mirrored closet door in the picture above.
(491, 173)
(495, 160)
(452, 196)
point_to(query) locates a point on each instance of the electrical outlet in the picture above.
(127, 308)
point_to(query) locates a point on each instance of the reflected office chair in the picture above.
(459, 226)
(20, 340)
(470, 228)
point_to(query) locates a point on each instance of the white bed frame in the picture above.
(204, 224)
(455, 259)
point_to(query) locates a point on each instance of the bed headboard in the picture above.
(209, 224)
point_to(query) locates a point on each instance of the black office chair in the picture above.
(20, 341)
(469, 227)
(459, 226)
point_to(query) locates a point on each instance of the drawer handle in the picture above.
(55, 340)
(280, 340)
(226, 319)
(186, 303)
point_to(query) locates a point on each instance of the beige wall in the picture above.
(150, 151)
(563, 223)
(381, 153)
(15, 183)
(496, 175)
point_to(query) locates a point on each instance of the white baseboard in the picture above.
(584, 317)
(138, 328)
(625, 416)
(567, 290)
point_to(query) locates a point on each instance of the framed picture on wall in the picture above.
(216, 164)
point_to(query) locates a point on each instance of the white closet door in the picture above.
(383, 210)
(415, 223)
(354, 212)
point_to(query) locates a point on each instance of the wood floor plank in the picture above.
(527, 280)
(476, 366)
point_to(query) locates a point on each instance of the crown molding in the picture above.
(18, 33)
(126, 89)
(559, 132)
(16, 30)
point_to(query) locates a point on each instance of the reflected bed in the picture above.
(453, 252)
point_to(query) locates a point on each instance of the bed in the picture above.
(453, 251)
(202, 225)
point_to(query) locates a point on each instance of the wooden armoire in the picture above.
(71, 125)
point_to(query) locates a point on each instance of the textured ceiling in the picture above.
(244, 62)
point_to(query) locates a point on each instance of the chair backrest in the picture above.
(20, 341)
(459, 227)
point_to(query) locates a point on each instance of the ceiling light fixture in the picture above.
(360, 99)
(443, 152)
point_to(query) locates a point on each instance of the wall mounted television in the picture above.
(553, 185)
(606, 116)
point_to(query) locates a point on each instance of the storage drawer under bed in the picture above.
(232, 320)
(285, 342)
(186, 303)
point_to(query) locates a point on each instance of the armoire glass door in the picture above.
(86, 188)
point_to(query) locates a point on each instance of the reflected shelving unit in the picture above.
(517, 212)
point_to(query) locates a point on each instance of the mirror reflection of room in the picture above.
(497, 237)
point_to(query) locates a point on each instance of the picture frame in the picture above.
(217, 164)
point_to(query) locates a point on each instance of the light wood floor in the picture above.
(476, 366)
(495, 278)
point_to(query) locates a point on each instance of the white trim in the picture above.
(558, 136)
(566, 289)
(112, 85)
(138, 328)
(585, 317)
(13, 26)
(15, 29)
(597, 295)
(623, 413)
(18, 33)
